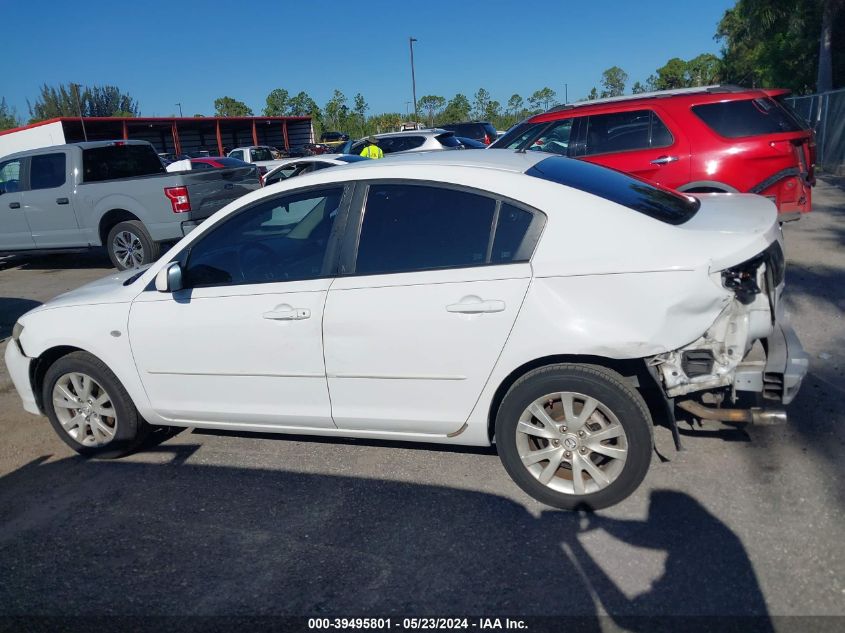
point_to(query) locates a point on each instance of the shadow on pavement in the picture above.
(95, 538)
(11, 308)
(53, 262)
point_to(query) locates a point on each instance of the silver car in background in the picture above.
(411, 141)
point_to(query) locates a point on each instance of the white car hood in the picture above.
(109, 289)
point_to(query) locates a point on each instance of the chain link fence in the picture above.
(826, 114)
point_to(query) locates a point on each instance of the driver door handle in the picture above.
(62, 201)
(14, 205)
(293, 314)
(662, 160)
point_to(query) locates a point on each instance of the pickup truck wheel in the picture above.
(90, 409)
(129, 245)
(574, 436)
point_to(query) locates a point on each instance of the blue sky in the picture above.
(193, 52)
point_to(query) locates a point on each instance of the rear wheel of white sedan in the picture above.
(90, 409)
(574, 436)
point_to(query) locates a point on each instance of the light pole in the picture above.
(565, 94)
(79, 109)
(180, 109)
(411, 41)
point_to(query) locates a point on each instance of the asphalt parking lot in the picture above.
(743, 522)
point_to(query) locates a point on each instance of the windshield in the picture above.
(661, 204)
(260, 153)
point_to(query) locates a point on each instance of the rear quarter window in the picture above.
(661, 204)
(747, 117)
(111, 162)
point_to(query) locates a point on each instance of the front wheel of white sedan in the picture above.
(574, 436)
(89, 408)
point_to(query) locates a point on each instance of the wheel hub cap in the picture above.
(84, 409)
(571, 443)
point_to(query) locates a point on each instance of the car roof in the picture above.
(82, 145)
(427, 132)
(499, 159)
(707, 93)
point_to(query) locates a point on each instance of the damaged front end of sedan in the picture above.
(750, 348)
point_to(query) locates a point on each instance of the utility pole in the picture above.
(79, 110)
(180, 109)
(411, 41)
(407, 105)
(565, 94)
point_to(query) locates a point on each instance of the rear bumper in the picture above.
(18, 366)
(786, 364)
(779, 377)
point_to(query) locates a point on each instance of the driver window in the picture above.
(555, 139)
(282, 239)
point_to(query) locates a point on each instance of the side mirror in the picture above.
(169, 278)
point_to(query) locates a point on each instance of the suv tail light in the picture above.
(179, 199)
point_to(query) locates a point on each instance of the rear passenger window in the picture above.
(10, 174)
(748, 117)
(625, 131)
(510, 244)
(412, 227)
(47, 171)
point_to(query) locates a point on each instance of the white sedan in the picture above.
(291, 167)
(550, 305)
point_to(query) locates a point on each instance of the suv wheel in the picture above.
(574, 436)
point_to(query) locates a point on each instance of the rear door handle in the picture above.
(62, 201)
(290, 314)
(662, 160)
(475, 305)
(14, 205)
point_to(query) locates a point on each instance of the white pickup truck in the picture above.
(259, 155)
(115, 194)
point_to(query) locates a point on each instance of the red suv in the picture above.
(705, 140)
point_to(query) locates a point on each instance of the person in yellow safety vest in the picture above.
(372, 150)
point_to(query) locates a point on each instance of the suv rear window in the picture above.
(661, 204)
(747, 117)
(259, 154)
(119, 161)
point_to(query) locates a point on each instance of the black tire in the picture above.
(606, 386)
(135, 228)
(129, 429)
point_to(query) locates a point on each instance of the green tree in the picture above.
(480, 103)
(613, 80)
(516, 105)
(780, 43)
(594, 94)
(673, 74)
(703, 70)
(72, 99)
(638, 88)
(8, 116)
(432, 105)
(277, 103)
(335, 112)
(542, 99)
(492, 110)
(304, 105)
(227, 106)
(360, 107)
(456, 110)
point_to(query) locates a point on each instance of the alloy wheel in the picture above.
(571, 442)
(128, 249)
(84, 409)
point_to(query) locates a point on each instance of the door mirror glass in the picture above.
(169, 278)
